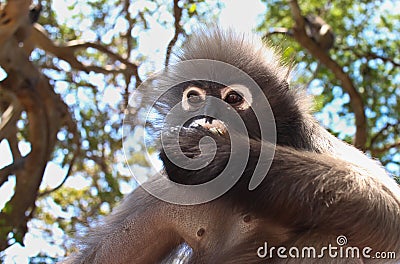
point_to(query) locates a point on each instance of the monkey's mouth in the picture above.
(213, 125)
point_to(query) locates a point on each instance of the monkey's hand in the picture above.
(195, 145)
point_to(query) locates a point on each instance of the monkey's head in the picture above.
(227, 85)
(242, 74)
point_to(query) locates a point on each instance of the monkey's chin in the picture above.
(215, 126)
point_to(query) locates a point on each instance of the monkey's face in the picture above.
(201, 110)
(210, 104)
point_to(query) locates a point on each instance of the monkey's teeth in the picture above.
(194, 125)
(199, 122)
(216, 127)
(214, 130)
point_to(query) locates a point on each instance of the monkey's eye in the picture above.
(194, 97)
(233, 98)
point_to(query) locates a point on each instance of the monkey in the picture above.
(316, 29)
(24, 31)
(316, 188)
(319, 31)
(34, 12)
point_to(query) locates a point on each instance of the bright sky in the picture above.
(241, 15)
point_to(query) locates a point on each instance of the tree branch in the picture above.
(382, 130)
(9, 119)
(76, 139)
(67, 52)
(279, 30)
(371, 55)
(178, 30)
(356, 102)
(13, 16)
(8, 170)
(46, 113)
(385, 148)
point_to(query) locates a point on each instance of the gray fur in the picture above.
(318, 187)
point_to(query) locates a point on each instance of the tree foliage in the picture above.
(66, 80)
(365, 51)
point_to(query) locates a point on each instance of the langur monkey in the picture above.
(316, 190)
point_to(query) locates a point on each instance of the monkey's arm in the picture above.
(144, 229)
(131, 233)
(315, 193)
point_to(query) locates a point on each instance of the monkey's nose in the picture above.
(209, 119)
